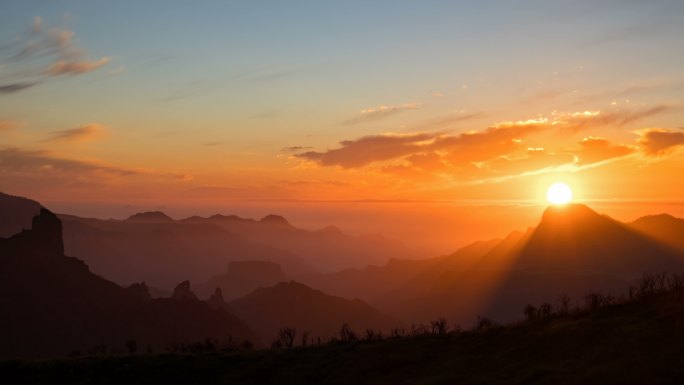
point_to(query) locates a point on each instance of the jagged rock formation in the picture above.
(140, 291)
(216, 300)
(183, 292)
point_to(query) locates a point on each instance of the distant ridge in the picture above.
(150, 216)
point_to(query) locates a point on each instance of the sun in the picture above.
(559, 193)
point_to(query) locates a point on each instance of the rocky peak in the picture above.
(140, 291)
(182, 291)
(48, 228)
(216, 300)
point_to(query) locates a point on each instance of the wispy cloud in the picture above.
(15, 87)
(380, 112)
(42, 167)
(295, 148)
(63, 67)
(85, 132)
(44, 52)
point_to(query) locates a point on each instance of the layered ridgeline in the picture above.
(573, 250)
(52, 305)
(162, 251)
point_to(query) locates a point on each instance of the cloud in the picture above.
(369, 149)
(295, 148)
(660, 142)
(76, 67)
(15, 87)
(41, 53)
(380, 112)
(532, 159)
(33, 162)
(20, 166)
(581, 121)
(85, 132)
(595, 149)
(504, 150)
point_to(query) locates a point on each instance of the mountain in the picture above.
(52, 304)
(154, 248)
(150, 216)
(663, 228)
(327, 249)
(16, 214)
(572, 250)
(243, 277)
(292, 304)
(399, 279)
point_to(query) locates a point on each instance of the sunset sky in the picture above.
(145, 104)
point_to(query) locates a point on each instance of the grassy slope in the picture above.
(639, 342)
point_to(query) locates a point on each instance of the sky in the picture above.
(111, 107)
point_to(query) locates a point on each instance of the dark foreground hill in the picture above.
(637, 342)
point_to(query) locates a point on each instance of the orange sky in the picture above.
(424, 104)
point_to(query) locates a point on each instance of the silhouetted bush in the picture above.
(419, 329)
(563, 305)
(347, 334)
(373, 335)
(544, 311)
(305, 339)
(397, 332)
(530, 312)
(286, 337)
(439, 326)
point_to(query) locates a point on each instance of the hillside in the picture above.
(292, 304)
(630, 343)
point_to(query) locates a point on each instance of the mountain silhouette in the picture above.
(292, 304)
(163, 252)
(327, 249)
(573, 250)
(150, 216)
(663, 228)
(52, 304)
(16, 214)
(243, 277)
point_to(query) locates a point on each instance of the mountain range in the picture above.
(255, 293)
(162, 251)
(53, 305)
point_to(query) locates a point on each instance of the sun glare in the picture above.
(559, 194)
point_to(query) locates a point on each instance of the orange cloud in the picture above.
(660, 142)
(594, 150)
(370, 149)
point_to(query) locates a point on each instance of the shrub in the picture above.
(439, 326)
